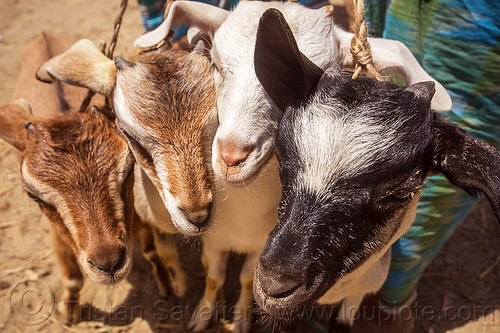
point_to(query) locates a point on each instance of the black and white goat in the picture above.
(353, 157)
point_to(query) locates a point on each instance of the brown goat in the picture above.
(79, 169)
(165, 126)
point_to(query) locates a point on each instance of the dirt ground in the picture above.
(459, 292)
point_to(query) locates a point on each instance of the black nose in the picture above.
(278, 289)
(199, 218)
(109, 262)
(276, 282)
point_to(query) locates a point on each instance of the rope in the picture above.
(360, 48)
(116, 32)
(109, 53)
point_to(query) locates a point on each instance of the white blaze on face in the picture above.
(128, 121)
(171, 203)
(335, 147)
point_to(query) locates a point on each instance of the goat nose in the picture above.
(275, 284)
(232, 154)
(108, 260)
(199, 218)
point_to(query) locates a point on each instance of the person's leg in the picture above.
(152, 12)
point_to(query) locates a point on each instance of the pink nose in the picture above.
(232, 154)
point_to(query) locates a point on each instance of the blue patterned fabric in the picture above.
(458, 43)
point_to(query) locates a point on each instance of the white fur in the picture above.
(344, 148)
(246, 115)
(243, 218)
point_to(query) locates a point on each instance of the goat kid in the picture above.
(79, 169)
(248, 118)
(164, 124)
(175, 106)
(353, 156)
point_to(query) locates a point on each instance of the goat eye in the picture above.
(34, 198)
(138, 148)
(401, 196)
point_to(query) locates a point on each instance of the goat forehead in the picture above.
(334, 147)
(312, 28)
(157, 105)
(245, 104)
(89, 159)
(349, 128)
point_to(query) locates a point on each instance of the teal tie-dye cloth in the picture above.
(458, 43)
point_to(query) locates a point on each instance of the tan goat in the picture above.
(79, 169)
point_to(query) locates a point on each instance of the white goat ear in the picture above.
(82, 65)
(12, 119)
(205, 17)
(286, 74)
(388, 53)
(466, 161)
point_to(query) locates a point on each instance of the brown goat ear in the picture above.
(467, 162)
(82, 65)
(205, 17)
(287, 75)
(12, 119)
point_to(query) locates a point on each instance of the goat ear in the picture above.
(393, 54)
(12, 119)
(82, 65)
(285, 73)
(205, 17)
(466, 161)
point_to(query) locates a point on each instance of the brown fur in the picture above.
(169, 94)
(12, 126)
(71, 165)
(174, 104)
(54, 153)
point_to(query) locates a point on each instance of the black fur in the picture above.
(322, 237)
(299, 75)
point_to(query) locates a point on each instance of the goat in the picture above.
(163, 124)
(175, 106)
(79, 170)
(248, 119)
(353, 157)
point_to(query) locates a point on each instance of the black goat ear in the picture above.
(286, 74)
(467, 162)
(423, 90)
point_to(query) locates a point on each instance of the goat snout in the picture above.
(200, 217)
(108, 259)
(232, 154)
(275, 280)
(277, 288)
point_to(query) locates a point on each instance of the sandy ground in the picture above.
(460, 291)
